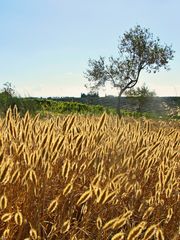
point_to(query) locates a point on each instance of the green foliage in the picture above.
(23, 104)
(71, 107)
(50, 107)
(8, 99)
(142, 92)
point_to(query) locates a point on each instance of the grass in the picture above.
(89, 177)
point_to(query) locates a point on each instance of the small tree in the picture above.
(142, 94)
(138, 50)
(8, 89)
(7, 97)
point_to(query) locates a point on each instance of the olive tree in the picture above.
(137, 50)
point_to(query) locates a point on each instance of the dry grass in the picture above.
(78, 177)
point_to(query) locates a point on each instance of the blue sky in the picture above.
(45, 44)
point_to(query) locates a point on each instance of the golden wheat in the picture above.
(88, 177)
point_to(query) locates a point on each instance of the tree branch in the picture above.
(112, 79)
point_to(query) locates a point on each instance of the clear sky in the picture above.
(45, 44)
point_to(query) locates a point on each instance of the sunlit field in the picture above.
(81, 177)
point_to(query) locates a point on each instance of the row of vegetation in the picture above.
(47, 107)
(8, 98)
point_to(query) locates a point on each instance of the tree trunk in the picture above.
(118, 108)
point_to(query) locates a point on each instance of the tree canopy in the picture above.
(138, 50)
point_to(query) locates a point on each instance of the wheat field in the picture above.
(86, 177)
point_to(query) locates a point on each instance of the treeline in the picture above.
(89, 104)
(158, 106)
(48, 106)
